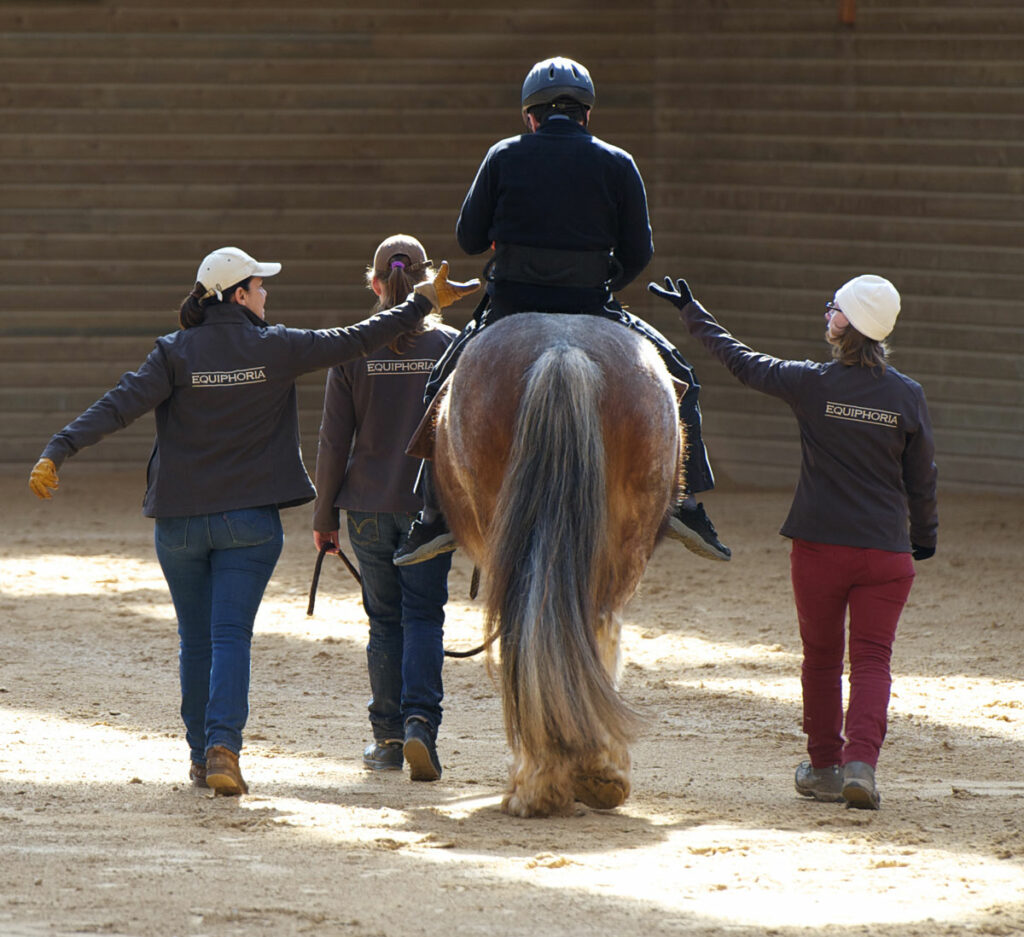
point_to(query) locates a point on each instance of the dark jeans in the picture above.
(873, 585)
(696, 466)
(405, 606)
(217, 567)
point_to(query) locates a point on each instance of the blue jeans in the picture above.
(217, 566)
(405, 605)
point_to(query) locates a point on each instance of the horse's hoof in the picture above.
(601, 793)
(515, 806)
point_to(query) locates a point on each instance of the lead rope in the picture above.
(316, 575)
(474, 587)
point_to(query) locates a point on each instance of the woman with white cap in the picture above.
(864, 508)
(225, 460)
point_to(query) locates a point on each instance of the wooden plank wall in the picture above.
(794, 153)
(783, 152)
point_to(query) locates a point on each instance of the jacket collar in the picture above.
(231, 312)
(559, 127)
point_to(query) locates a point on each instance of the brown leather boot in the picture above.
(223, 773)
(197, 774)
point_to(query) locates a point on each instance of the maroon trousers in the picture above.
(873, 585)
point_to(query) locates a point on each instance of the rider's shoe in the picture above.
(424, 541)
(693, 527)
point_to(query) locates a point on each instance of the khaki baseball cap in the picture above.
(227, 266)
(390, 249)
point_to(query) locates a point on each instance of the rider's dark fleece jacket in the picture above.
(561, 188)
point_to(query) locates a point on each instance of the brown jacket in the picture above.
(372, 406)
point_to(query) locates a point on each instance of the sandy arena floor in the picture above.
(101, 834)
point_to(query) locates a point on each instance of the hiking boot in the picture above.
(223, 773)
(423, 542)
(420, 751)
(824, 784)
(859, 786)
(384, 756)
(693, 527)
(197, 774)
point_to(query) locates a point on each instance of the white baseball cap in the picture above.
(871, 303)
(227, 266)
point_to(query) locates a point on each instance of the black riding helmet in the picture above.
(557, 77)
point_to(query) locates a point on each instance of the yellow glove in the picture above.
(441, 292)
(43, 479)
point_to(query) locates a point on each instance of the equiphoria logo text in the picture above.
(846, 411)
(405, 366)
(256, 375)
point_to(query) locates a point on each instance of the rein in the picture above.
(474, 586)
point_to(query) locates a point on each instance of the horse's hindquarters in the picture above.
(556, 458)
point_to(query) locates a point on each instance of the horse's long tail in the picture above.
(549, 536)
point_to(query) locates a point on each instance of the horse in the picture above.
(556, 458)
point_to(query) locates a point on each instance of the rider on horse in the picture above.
(566, 215)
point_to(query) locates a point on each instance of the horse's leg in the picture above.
(608, 633)
(601, 777)
(539, 788)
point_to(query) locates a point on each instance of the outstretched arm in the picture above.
(136, 393)
(770, 375)
(312, 349)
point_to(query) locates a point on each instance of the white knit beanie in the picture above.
(871, 304)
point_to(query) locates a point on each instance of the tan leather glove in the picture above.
(442, 292)
(43, 479)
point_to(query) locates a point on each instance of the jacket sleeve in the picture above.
(775, 376)
(920, 477)
(634, 244)
(312, 349)
(337, 433)
(136, 393)
(473, 229)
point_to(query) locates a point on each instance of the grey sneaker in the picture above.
(423, 542)
(694, 529)
(825, 784)
(420, 751)
(384, 756)
(859, 786)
